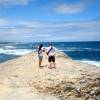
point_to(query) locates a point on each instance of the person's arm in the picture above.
(43, 49)
(47, 49)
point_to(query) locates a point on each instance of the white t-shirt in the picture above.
(52, 52)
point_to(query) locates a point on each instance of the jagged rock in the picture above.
(97, 92)
(86, 96)
(78, 92)
(97, 97)
(68, 88)
(68, 94)
(98, 81)
(91, 99)
(83, 81)
(92, 92)
(87, 90)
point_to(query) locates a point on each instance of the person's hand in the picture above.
(43, 50)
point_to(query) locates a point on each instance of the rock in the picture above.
(69, 94)
(68, 88)
(78, 89)
(78, 92)
(97, 92)
(97, 98)
(86, 97)
(92, 92)
(86, 84)
(87, 90)
(98, 81)
(91, 99)
(83, 81)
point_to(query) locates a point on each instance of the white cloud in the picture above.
(4, 22)
(68, 8)
(14, 2)
(43, 35)
(27, 31)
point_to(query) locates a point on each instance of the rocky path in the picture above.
(22, 79)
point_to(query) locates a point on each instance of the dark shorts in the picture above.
(51, 59)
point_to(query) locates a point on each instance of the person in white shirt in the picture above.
(40, 54)
(51, 51)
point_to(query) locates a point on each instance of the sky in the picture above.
(49, 20)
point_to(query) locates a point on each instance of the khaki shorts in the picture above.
(40, 57)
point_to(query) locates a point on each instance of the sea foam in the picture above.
(96, 63)
(15, 51)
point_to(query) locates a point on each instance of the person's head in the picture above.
(40, 46)
(50, 44)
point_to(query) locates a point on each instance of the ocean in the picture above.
(87, 52)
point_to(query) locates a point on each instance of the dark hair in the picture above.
(40, 46)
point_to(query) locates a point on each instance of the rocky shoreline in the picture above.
(69, 81)
(82, 89)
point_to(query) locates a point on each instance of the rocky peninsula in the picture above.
(22, 79)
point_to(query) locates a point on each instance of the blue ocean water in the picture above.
(82, 51)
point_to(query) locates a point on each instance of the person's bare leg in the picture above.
(50, 65)
(40, 61)
(54, 64)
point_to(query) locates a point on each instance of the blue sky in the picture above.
(49, 20)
